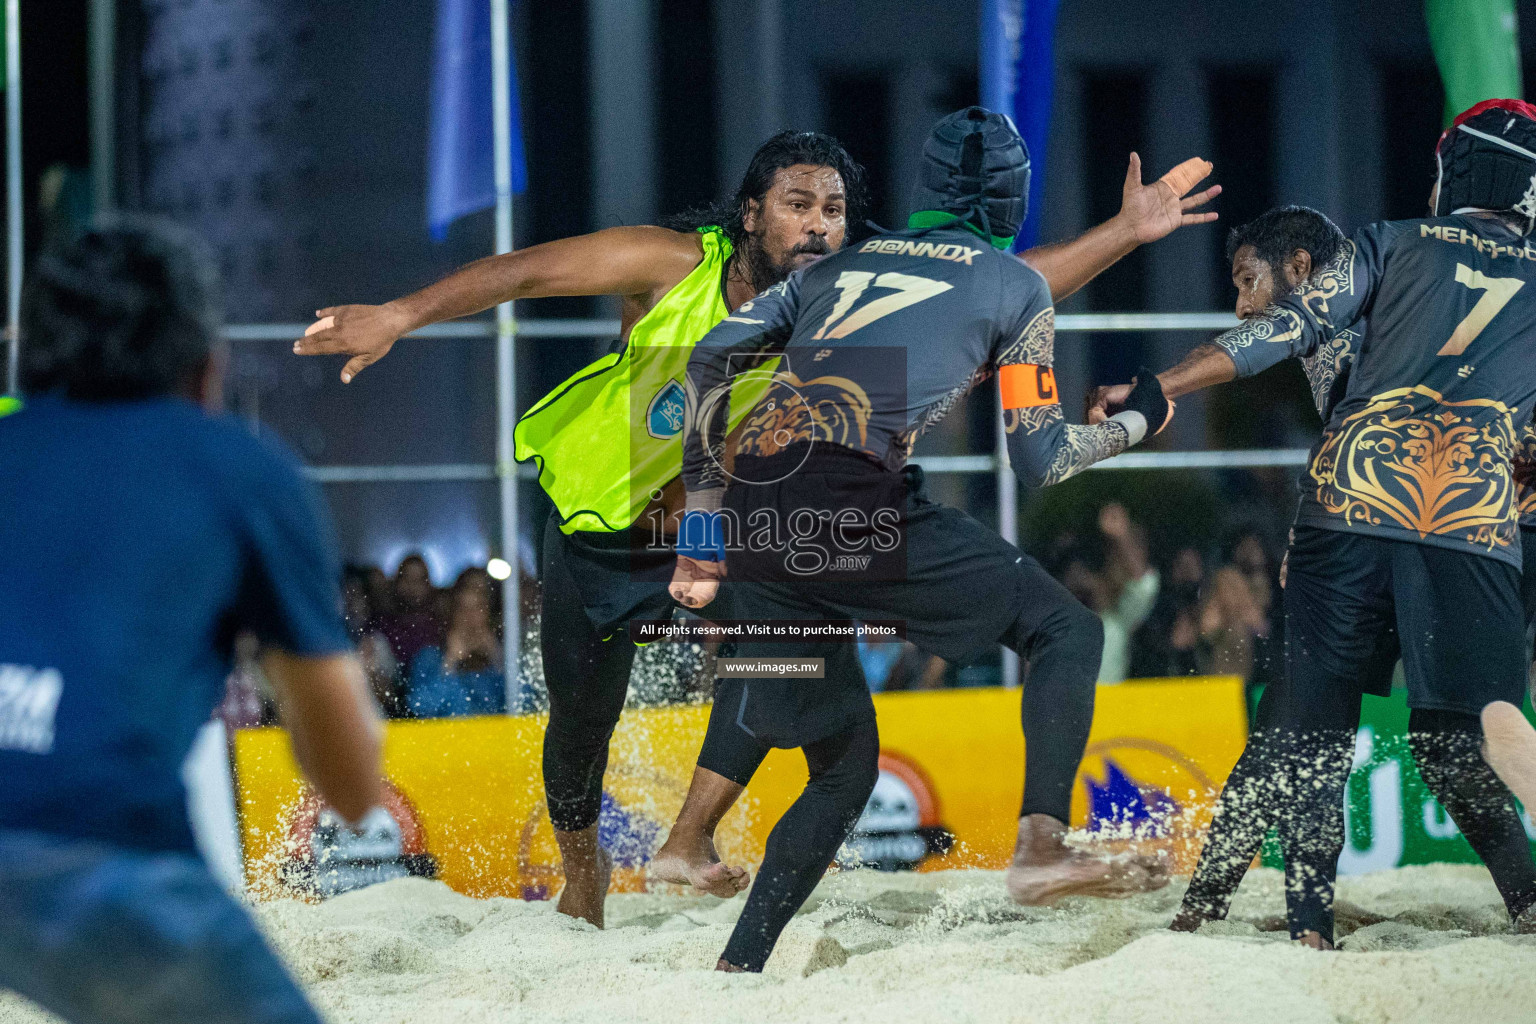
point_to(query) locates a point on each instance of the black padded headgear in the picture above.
(975, 166)
(1487, 161)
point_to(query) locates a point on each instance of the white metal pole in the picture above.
(13, 206)
(506, 351)
(103, 72)
(1007, 523)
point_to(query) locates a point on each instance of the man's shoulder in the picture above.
(256, 463)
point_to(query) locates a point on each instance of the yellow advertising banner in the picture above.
(466, 798)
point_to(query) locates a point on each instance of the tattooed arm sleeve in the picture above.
(767, 320)
(1333, 300)
(1043, 448)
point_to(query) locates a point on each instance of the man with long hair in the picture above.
(608, 440)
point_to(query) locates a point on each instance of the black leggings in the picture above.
(1062, 649)
(1062, 645)
(587, 678)
(1245, 812)
(1295, 779)
(843, 769)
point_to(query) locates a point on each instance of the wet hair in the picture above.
(785, 149)
(1277, 233)
(127, 309)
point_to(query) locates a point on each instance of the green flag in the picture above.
(1476, 44)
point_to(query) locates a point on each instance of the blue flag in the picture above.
(1018, 70)
(460, 143)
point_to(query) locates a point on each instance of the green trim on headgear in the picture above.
(939, 219)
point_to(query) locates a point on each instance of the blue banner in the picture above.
(460, 142)
(1018, 71)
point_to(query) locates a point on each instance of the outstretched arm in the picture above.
(1147, 213)
(1205, 366)
(1042, 447)
(618, 261)
(1336, 298)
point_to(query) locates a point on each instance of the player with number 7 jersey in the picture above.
(1420, 446)
(1409, 517)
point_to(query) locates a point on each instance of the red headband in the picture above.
(1520, 108)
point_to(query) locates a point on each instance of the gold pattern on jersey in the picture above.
(820, 409)
(1336, 277)
(1525, 473)
(1035, 344)
(1428, 465)
(1080, 448)
(1260, 329)
(1323, 366)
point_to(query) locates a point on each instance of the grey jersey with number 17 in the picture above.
(878, 343)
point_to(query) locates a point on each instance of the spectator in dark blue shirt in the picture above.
(141, 533)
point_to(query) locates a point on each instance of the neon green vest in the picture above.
(612, 434)
(9, 405)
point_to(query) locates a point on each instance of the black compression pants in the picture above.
(1459, 626)
(1062, 644)
(587, 677)
(843, 769)
(1447, 746)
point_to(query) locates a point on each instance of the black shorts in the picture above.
(1528, 573)
(1457, 617)
(959, 589)
(617, 576)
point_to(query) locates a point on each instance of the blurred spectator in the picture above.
(248, 699)
(1250, 556)
(373, 650)
(381, 592)
(1166, 643)
(1131, 586)
(1122, 592)
(1230, 623)
(412, 622)
(898, 665)
(464, 675)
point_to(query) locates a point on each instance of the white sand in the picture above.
(929, 948)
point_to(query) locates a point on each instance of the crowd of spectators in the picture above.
(432, 652)
(428, 652)
(1189, 611)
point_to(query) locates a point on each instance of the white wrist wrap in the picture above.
(1135, 424)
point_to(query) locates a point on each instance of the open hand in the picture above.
(1157, 210)
(695, 583)
(366, 333)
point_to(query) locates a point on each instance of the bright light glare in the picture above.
(498, 568)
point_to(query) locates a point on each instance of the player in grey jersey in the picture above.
(875, 345)
(1408, 515)
(1271, 256)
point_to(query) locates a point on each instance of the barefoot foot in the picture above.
(1525, 924)
(1312, 940)
(726, 967)
(1045, 869)
(588, 869)
(692, 861)
(1187, 920)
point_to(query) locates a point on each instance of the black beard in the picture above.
(763, 271)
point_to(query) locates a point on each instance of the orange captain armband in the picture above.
(1026, 385)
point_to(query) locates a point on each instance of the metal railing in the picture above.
(503, 331)
(485, 330)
